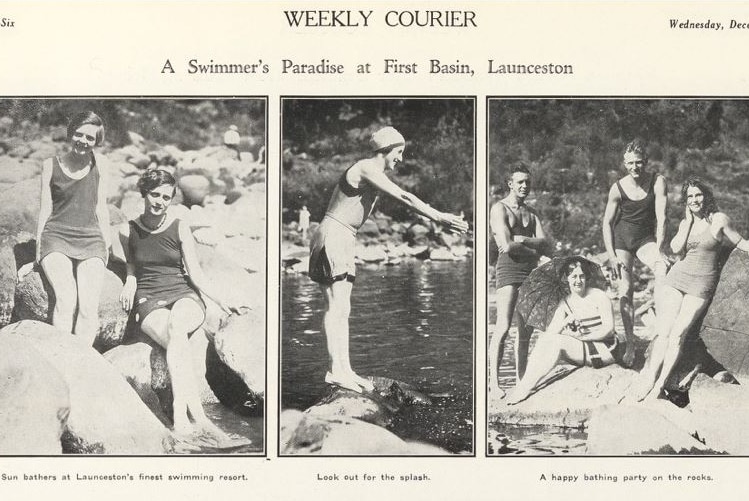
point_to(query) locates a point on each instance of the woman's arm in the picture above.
(45, 205)
(127, 295)
(195, 271)
(733, 236)
(661, 207)
(558, 323)
(372, 174)
(102, 212)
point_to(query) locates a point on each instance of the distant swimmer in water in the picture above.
(690, 284)
(634, 224)
(164, 286)
(332, 245)
(521, 241)
(580, 333)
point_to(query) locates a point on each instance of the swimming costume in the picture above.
(601, 353)
(351, 206)
(635, 225)
(333, 245)
(159, 269)
(514, 270)
(72, 227)
(698, 273)
(332, 252)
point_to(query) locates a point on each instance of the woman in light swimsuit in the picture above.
(73, 229)
(332, 246)
(691, 282)
(581, 332)
(164, 285)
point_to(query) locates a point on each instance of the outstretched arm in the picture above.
(195, 271)
(374, 176)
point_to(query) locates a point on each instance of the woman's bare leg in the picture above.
(59, 271)
(89, 276)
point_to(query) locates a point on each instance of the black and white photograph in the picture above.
(617, 276)
(377, 266)
(133, 276)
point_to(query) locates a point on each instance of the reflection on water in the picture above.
(412, 323)
(531, 440)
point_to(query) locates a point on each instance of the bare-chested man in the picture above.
(634, 224)
(332, 247)
(521, 241)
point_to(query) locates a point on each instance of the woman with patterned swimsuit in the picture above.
(581, 332)
(691, 282)
(164, 286)
(73, 229)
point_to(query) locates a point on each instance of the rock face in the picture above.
(34, 400)
(235, 363)
(348, 423)
(725, 329)
(304, 434)
(106, 416)
(628, 430)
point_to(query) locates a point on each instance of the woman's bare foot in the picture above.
(346, 381)
(516, 396)
(365, 383)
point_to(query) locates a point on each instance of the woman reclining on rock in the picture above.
(581, 332)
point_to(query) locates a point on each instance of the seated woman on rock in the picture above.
(164, 285)
(581, 332)
(691, 282)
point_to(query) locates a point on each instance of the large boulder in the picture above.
(567, 398)
(34, 400)
(19, 209)
(32, 302)
(305, 434)
(235, 362)
(106, 415)
(725, 328)
(194, 188)
(638, 429)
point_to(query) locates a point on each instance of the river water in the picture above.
(412, 323)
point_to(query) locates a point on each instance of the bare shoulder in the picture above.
(660, 183)
(124, 229)
(720, 219)
(614, 193)
(366, 166)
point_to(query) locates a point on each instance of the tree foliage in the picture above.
(323, 137)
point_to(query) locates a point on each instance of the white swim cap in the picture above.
(385, 138)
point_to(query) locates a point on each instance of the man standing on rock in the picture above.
(634, 224)
(332, 247)
(521, 241)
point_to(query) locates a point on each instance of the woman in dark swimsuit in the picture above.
(164, 285)
(73, 229)
(691, 282)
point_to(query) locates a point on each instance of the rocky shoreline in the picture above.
(223, 200)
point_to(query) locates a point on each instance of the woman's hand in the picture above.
(453, 223)
(688, 215)
(233, 306)
(127, 296)
(24, 270)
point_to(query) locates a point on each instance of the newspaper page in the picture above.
(425, 250)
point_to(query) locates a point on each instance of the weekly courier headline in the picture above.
(553, 49)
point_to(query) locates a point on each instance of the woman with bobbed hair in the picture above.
(581, 332)
(703, 235)
(73, 228)
(165, 285)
